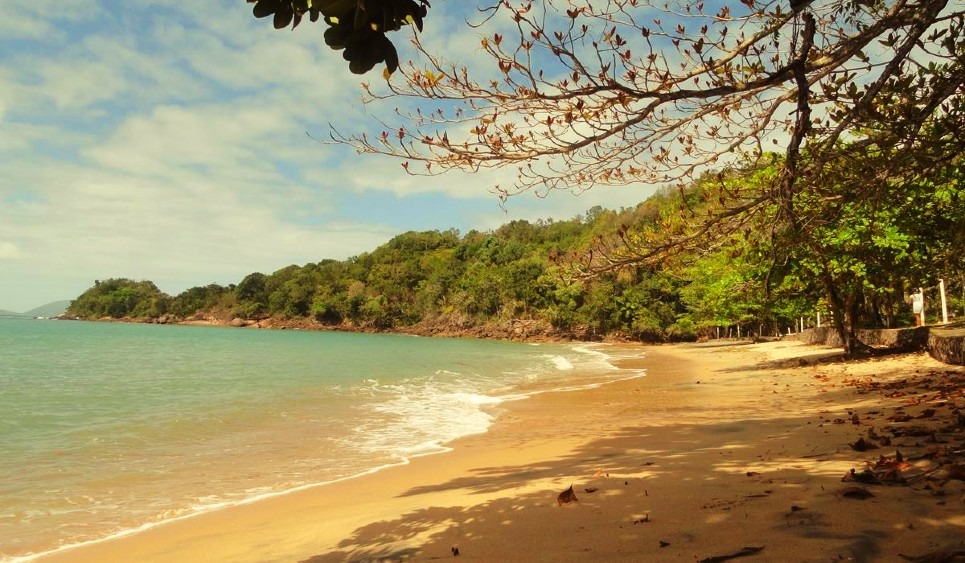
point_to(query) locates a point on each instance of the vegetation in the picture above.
(356, 28)
(119, 298)
(865, 255)
(863, 99)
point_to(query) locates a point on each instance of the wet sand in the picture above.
(722, 450)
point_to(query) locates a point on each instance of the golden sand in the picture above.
(722, 450)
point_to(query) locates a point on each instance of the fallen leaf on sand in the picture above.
(867, 476)
(862, 445)
(896, 463)
(744, 552)
(566, 496)
(664, 543)
(854, 492)
(956, 472)
(591, 489)
(956, 556)
(887, 470)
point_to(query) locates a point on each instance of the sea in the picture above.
(107, 429)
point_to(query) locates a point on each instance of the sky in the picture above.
(171, 141)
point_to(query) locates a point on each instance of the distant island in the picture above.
(50, 310)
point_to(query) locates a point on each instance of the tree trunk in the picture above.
(843, 315)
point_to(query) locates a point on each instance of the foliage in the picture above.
(863, 99)
(862, 252)
(614, 92)
(119, 298)
(356, 28)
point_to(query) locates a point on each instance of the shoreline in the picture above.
(675, 457)
(597, 370)
(517, 330)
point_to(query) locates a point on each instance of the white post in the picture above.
(819, 319)
(922, 291)
(718, 333)
(941, 289)
(738, 331)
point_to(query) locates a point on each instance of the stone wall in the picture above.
(945, 344)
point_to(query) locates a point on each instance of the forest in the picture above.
(547, 274)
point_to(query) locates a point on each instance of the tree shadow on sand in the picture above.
(703, 490)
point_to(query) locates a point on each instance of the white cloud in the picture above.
(166, 141)
(40, 19)
(100, 225)
(8, 251)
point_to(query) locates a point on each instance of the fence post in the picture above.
(819, 319)
(941, 290)
(921, 290)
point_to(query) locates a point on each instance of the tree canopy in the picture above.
(616, 92)
(825, 110)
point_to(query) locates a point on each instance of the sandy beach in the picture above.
(722, 450)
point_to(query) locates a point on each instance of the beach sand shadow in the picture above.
(667, 491)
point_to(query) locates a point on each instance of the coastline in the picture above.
(519, 330)
(718, 448)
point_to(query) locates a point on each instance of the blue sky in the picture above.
(166, 140)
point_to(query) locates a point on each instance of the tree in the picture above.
(880, 221)
(356, 27)
(120, 298)
(623, 92)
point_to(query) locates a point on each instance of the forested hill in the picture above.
(604, 274)
(514, 281)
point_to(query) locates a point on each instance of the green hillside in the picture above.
(646, 273)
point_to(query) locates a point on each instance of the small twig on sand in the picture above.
(744, 552)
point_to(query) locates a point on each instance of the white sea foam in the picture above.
(422, 418)
(561, 363)
(406, 402)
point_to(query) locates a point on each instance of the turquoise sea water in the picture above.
(108, 428)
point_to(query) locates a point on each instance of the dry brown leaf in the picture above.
(858, 493)
(566, 496)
